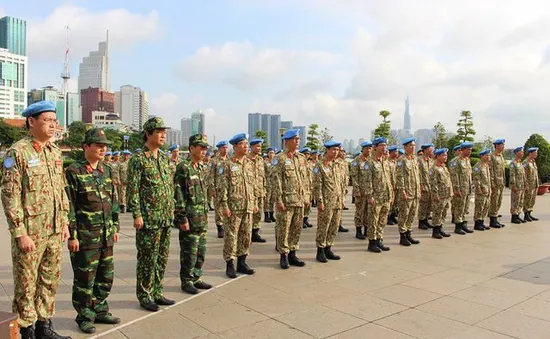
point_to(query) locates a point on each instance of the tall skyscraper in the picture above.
(74, 110)
(96, 99)
(186, 126)
(254, 123)
(13, 84)
(266, 127)
(174, 136)
(51, 94)
(286, 124)
(303, 134)
(197, 123)
(407, 119)
(13, 35)
(132, 105)
(94, 69)
(274, 133)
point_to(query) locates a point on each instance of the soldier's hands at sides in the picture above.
(321, 207)
(73, 245)
(457, 194)
(185, 227)
(371, 201)
(138, 223)
(256, 209)
(227, 213)
(65, 235)
(281, 207)
(26, 244)
(115, 237)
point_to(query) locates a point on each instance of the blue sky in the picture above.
(336, 63)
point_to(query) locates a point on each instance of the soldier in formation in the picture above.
(341, 160)
(268, 169)
(259, 186)
(461, 176)
(306, 151)
(174, 157)
(482, 184)
(425, 164)
(358, 181)
(123, 177)
(115, 173)
(393, 156)
(532, 178)
(213, 175)
(108, 156)
(441, 191)
(94, 228)
(498, 181)
(518, 185)
(408, 190)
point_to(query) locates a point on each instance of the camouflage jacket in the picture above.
(517, 175)
(33, 189)
(461, 175)
(174, 164)
(531, 173)
(345, 174)
(190, 192)
(408, 177)
(424, 166)
(151, 188)
(327, 184)
(498, 167)
(377, 180)
(235, 186)
(93, 217)
(290, 179)
(441, 185)
(482, 179)
(213, 173)
(393, 171)
(358, 173)
(123, 172)
(258, 165)
(115, 173)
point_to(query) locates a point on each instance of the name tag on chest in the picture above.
(33, 162)
(234, 168)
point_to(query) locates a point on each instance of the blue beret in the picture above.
(221, 143)
(484, 152)
(115, 153)
(305, 150)
(456, 148)
(108, 153)
(366, 143)
(315, 152)
(279, 151)
(126, 152)
(138, 150)
(39, 107)
(518, 149)
(379, 140)
(269, 149)
(392, 148)
(291, 133)
(440, 151)
(208, 153)
(423, 147)
(401, 151)
(256, 141)
(408, 141)
(173, 147)
(466, 144)
(238, 138)
(499, 142)
(332, 143)
(532, 149)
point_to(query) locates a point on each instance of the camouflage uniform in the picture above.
(174, 165)
(518, 186)
(408, 183)
(393, 169)
(327, 190)
(309, 173)
(115, 175)
(498, 181)
(378, 186)
(424, 166)
(290, 185)
(151, 197)
(235, 191)
(482, 183)
(358, 181)
(532, 181)
(93, 221)
(441, 188)
(35, 204)
(122, 188)
(268, 169)
(215, 164)
(461, 176)
(259, 189)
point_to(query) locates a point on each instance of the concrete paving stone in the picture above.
(268, 329)
(534, 307)
(321, 292)
(505, 284)
(517, 325)
(370, 331)
(365, 307)
(478, 333)
(169, 325)
(405, 295)
(459, 310)
(490, 297)
(275, 303)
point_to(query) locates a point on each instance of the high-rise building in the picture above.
(94, 69)
(174, 136)
(352, 146)
(13, 84)
(303, 134)
(132, 104)
(96, 99)
(13, 35)
(197, 123)
(255, 123)
(286, 124)
(186, 126)
(424, 136)
(407, 126)
(274, 133)
(74, 110)
(49, 93)
(266, 127)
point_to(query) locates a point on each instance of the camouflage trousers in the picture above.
(36, 278)
(238, 235)
(218, 213)
(269, 202)
(361, 211)
(481, 206)
(460, 206)
(93, 271)
(378, 218)
(439, 210)
(193, 249)
(424, 206)
(529, 199)
(288, 228)
(307, 207)
(496, 201)
(257, 217)
(407, 214)
(517, 197)
(328, 221)
(121, 191)
(394, 207)
(153, 246)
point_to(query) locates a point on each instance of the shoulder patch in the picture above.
(366, 166)
(525, 165)
(315, 169)
(399, 163)
(9, 162)
(275, 162)
(453, 163)
(476, 169)
(512, 164)
(354, 163)
(431, 172)
(220, 170)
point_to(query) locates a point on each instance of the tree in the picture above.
(325, 136)
(543, 156)
(451, 143)
(10, 134)
(441, 138)
(486, 143)
(383, 130)
(465, 126)
(262, 135)
(313, 137)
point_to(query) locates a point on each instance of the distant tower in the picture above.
(66, 75)
(407, 123)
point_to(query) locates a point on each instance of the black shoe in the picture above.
(403, 240)
(256, 237)
(122, 209)
(189, 288)
(272, 217)
(527, 217)
(314, 203)
(242, 266)
(453, 219)
(493, 222)
(267, 219)
(162, 301)
(423, 224)
(393, 218)
(411, 239)
(201, 285)
(499, 216)
(307, 223)
(523, 221)
(445, 235)
(390, 221)
(230, 269)
(293, 260)
(359, 233)
(321, 255)
(341, 229)
(532, 217)
(221, 232)
(27, 332)
(436, 234)
(44, 330)
(373, 247)
(478, 225)
(283, 262)
(346, 208)
(87, 327)
(515, 219)
(365, 231)
(330, 255)
(108, 319)
(465, 227)
(380, 244)
(150, 306)
(210, 207)
(458, 229)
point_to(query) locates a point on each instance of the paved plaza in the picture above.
(487, 285)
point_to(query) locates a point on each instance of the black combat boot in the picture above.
(256, 237)
(293, 259)
(307, 223)
(478, 225)
(445, 235)
(373, 247)
(330, 255)
(359, 233)
(411, 239)
(423, 224)
(27, 332)
(465, 227)
(380, 244)
(365, 231)
(453, 219)
(122, 209)
(221, 232)
(272, 216)
(267, 219)
(393, 217)
(458, 229)
(532, 217)
(523, 221)
(403, 240)
(321, 257)
(210, 207)
(494, 222)
(527, 217)
(284, 261)
(515, 219)
(390, 221)
(242, 266)
(44, 330)
(435, 232)
(341, 229)
(230, 269)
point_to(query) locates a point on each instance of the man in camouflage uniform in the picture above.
(36, 208)
(461, 176)
(123, 176)
(306, 151)
(115, 173)
(393, 155)
(151, 199)
(344, 183)
(425, 163)
(94, 228)
(174, 157)
(311, 163)
(290, 190)
(259, 187)
(206, 163)
(191, 215)
(215, 163)
(482, 184)
(441, 191)
(328, 175)
(532, 179)
(518, 185)
(408, 190)
(379, 194)
(268, 169)
(497, 165)
(108, 156)
(237, 199)
(357, 173)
